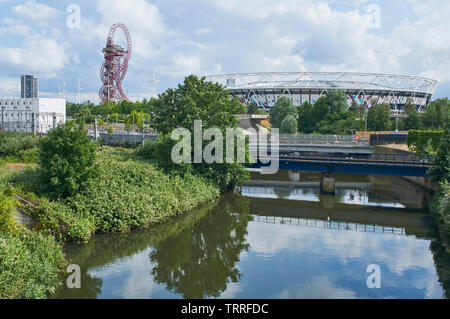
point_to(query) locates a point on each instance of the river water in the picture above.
(279, 239)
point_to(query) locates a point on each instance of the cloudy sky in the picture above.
(179, 37)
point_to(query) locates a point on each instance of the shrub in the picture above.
(12, 144)
(31, 264)
(289, 125)
(7, 208)
(419, 140)
(66, 161)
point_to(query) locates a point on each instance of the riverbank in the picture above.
(127, 193)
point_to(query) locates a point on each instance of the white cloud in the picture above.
(20, 30)
(35, 11)
(39, 54)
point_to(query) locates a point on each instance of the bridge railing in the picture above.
(375, 159)
(315, 139)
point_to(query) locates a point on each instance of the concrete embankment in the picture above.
(424, 182)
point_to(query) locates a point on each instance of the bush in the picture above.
(66, 161)
(441, 210)
(289, 125)
(7, 209)
(31, 265)
(419, 140)
(12, 144)
(63, 222)
(126, 194)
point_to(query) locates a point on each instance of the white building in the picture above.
(31, 115)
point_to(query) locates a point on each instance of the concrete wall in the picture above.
(423, 182)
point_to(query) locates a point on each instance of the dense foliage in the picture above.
(126, 194)
(378, 117)
(288, 125)
(282, 108)
(197, 100)
(66, 161)
(31, 264)
(419, 141)
(7, 209)
(328, 115)
(17, 147)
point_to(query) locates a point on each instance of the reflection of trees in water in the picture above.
(107, 249)
(282, 193)
(200, 260)
(442, 262)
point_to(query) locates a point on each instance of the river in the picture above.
(279, 238)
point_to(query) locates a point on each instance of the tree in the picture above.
(441, 172)
(437, 114)
(378, 117)
(282, 108)
(252, 108)
(289, 125)
(412, 120)
(195, 99)
(305, 118)
(66, 161)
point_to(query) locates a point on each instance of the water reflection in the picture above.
(262, 247)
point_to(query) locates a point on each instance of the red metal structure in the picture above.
(115, 67)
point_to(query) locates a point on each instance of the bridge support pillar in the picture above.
(294, 176)
(327, 183)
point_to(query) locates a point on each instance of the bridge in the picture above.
(329, 163)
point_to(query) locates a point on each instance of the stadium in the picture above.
(366, 89)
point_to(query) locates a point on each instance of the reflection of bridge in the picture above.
(358, 217)
(382, 164)
(328, 224)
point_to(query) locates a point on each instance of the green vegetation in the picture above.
(197, 99)
(16, 147)
(30, 262)
(423, 142)
(329, 115)
(282, 108)
(441, 174)
(289, 125)
(126, 194)
(66, 161)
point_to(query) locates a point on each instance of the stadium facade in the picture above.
(366, 89)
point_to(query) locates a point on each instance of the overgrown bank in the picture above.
(126, 193)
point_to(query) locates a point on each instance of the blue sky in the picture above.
(176, 38)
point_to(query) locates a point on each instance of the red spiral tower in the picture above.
(115, 67)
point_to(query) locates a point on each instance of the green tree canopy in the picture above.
(412, 120)
(305, 118)
(195, 99)
(378, 117)
(282, 108)
(289, 125)
(437, 114)
(252, 108)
